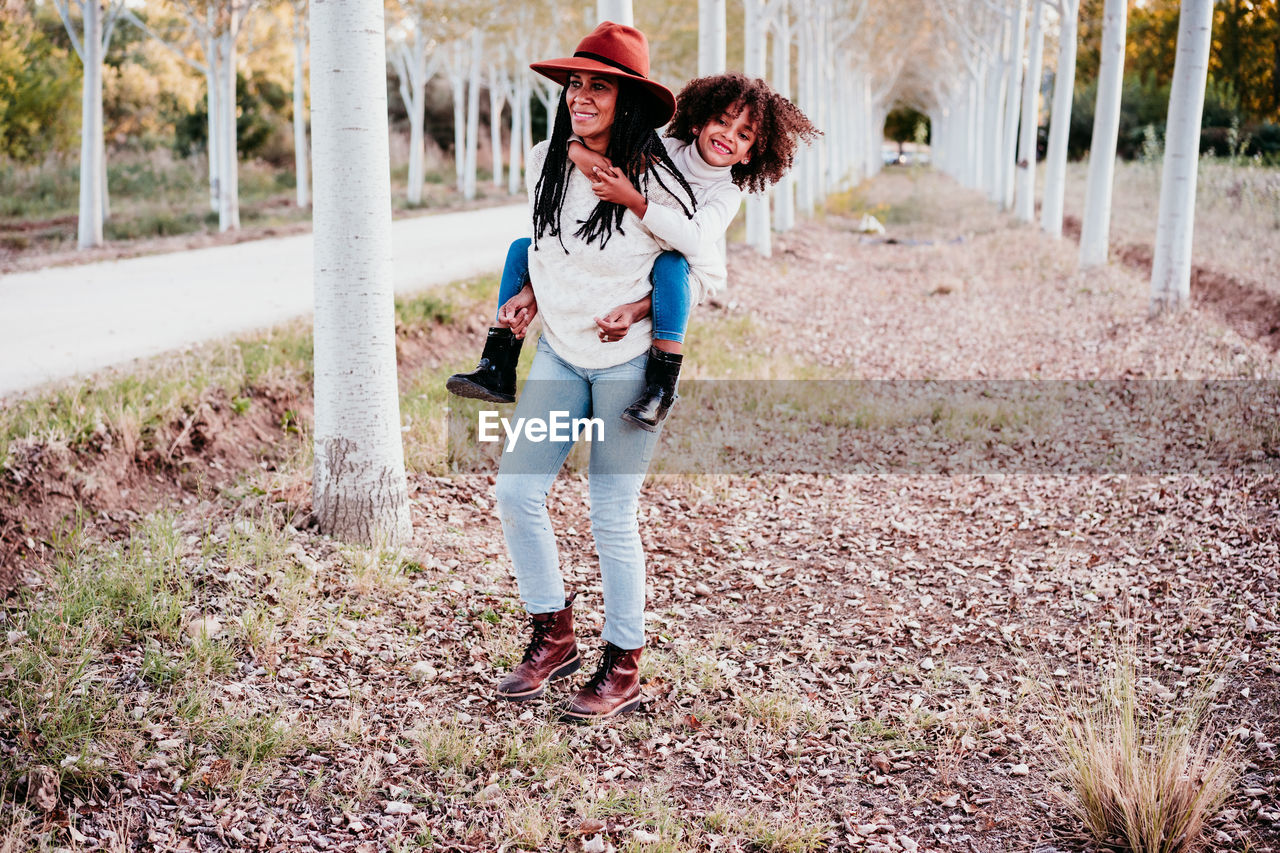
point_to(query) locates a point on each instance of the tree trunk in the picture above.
(712, 37)
(804, 62)
(1095, 227)
(300, 122)
(496, 102)
(1064, 84)
(1012, 107)
(1025, 199)
(519, 115)
(213, 143)
(618, 11)
(229, 211)
(755, 33)
(473, 116)
(359, 491)
(1171, 264)
(89, 227)
(526, 98)
(417, 142)
(458, 84)
(993, 131)
(784, 213)
(101, 165)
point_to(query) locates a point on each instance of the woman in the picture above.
(588, 257)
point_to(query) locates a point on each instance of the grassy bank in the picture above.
(155, 195)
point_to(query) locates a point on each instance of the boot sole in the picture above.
(570, 716)
(632, 419)
(466, 388)
(564, 671)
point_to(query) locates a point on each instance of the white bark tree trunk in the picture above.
(229, 194)
(1171, 264)
(519, 111)
(755, 33)
(1012, 106)
(458, 86)
(89, 227)
(1064, 84)
(805, 191)
(526, 98)
(1025, 198)
(497, 99)
(213, 144)
(993, 113)
(473, 115)
(300, 166)
(1095, 227)
(359, 491)
(784, 212)
(712, 37)
(618, 11)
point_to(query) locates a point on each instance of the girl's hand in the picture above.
(611, 185)
(518, 311)
(615, 325)
(587, 160)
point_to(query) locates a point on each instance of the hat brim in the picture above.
(664, 102)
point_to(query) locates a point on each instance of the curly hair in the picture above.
(634, 148)
(780, 125)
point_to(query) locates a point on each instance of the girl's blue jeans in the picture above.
(620, 455)
(671, 297)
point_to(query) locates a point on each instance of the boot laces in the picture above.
(541, 628)
(611, 655)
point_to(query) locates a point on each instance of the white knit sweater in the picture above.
(581, 281)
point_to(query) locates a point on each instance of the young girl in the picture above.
(730, 134)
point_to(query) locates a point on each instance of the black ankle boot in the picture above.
(494, 379)
(660, 375)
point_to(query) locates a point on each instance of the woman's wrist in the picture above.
(641, 308)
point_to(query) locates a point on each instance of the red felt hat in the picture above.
(619, 51)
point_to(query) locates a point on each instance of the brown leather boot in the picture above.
(552, 653)
(613, 690)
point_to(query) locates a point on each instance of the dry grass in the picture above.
(1137, 780)
(1237, 213)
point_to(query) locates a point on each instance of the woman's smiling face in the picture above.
(592, 99)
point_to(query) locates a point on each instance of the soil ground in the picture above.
(858, 660)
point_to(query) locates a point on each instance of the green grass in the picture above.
(111, 615)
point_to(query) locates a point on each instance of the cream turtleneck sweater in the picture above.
(698, 239)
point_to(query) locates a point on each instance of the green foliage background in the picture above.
(39, 89)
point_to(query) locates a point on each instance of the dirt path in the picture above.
(64, 321)
(852, 662)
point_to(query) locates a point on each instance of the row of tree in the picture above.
(981, 139)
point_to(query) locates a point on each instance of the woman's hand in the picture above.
(518, 311)
(615, 325)
(613, 186)
(587, 160)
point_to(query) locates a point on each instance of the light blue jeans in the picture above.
(615, 473)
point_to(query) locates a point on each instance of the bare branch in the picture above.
(128, 15)
(64, 12)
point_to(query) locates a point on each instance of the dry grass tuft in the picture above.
(1138, 781)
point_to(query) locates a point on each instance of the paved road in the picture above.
(65, 321)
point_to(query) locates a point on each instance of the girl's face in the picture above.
(726, 139)
(592, 99)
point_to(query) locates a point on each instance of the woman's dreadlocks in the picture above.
(634, 148)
